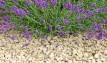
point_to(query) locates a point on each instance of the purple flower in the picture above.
(93, 5)
(60, 33)
(91, 29)
(91, 35)
(69, 12)
(4, 27)
(80, 11)
(11, 23)
(99, 10)
(100, 36)
(69, 6)
(28, 36)
(66, 21)
(89, 13)
(58, 26)
(2, 10)
(2, 3)
(41, 19)
(50, 28)
(84, 16)
(66, 32)
(27, 12)
(26, 32)
(25, 27)
(37, 2)
(45, 37)
(95, 24)
(14, 8)
(13, 37)
(100, 0)
(104, 20)
(78, 19)
(43, 4)
(26, 44)
(28, 3)
(6, 18)
(54, 2)
(36, 31)
(81, 27)
(99, 31)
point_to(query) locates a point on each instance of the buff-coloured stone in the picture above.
(86, 55)
(105, 51)
(90, 58)
(103, 59)
(51, 55)
(96, 56)
(99, 62)
(70, 61)
(1, 55)
(74, 51)
(74, 61)
(93, 61)
(1, 61)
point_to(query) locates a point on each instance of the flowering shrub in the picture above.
(41, 18)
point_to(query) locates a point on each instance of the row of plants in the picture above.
(42, 18)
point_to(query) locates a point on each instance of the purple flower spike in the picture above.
(100, 0)
(104, 20)
(100, 36)
(37, 2)
(93, 5)
(26, 44)
(28, 36)
(1, 11)
(11, 23)
(2, 3)
(50, 28)
(27, 12)
(91, 35)
(80, 11)
(81, 27)
(45, 37)
(66, 21)
(69, 12)
(36, 31)
(28, 3)
(69, 6)
(54, 2)
(6, 18)
(13, 37)
(78, 19)
(58, 26)
(61, 32)
(4, 27)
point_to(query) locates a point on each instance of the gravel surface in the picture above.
(52, 50)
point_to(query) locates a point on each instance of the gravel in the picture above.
(53, 50)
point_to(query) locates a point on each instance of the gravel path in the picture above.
(53, 50)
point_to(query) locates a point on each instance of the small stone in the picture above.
(86, 55)
(74, 51)
(52, 55)
(99, 62)
(91, 57)
(103, 59)
(74, 61)
(93, 61)
(105, 51)
(96, 56)
(70, 61)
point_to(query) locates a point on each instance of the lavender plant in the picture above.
(41, 18)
